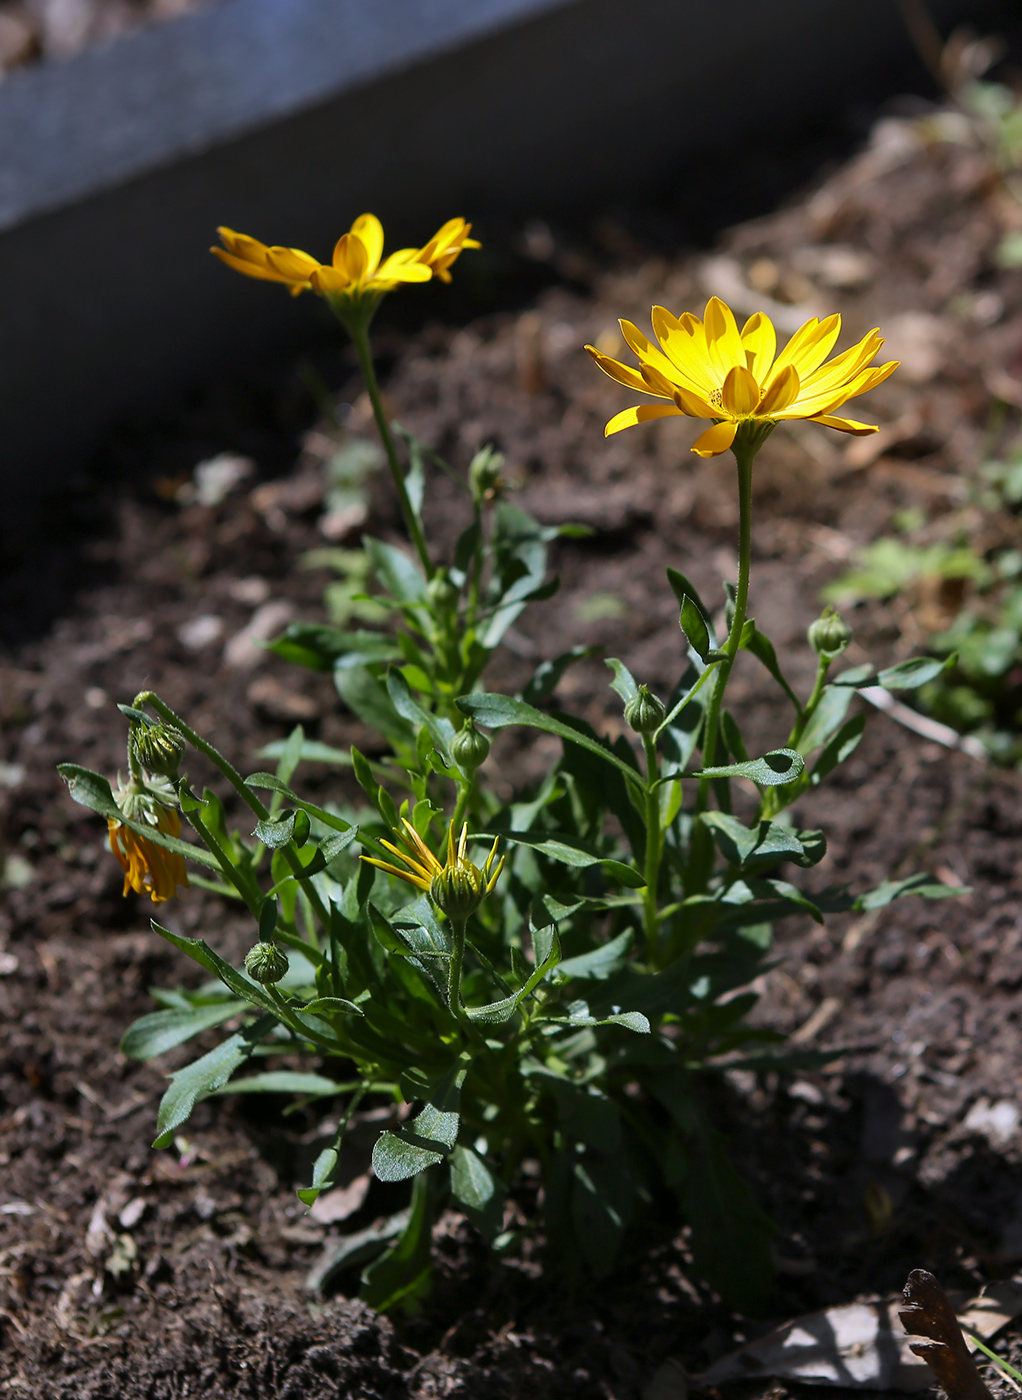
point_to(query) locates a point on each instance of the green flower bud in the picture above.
(829, 634)
(458, 890)
(484, 474)
(645, 712)
(159, 748)
(266, 963)
(469, 748)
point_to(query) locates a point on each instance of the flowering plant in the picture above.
(559, 1012)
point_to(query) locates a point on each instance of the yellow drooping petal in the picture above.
(619, 372)
(646, 353)
(715, 440)
(630, 416)
(846, 425)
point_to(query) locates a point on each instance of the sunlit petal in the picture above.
(715, 440)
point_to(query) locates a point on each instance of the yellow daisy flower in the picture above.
(358, 268)
(711, 369)
(455, 886)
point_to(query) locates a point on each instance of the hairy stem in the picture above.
(654, 850)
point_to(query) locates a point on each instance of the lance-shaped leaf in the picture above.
(93, 790)
(624, 681)
(500, 711)
(909, 675)
(774, 769)
(269, 782)
(762, 649)
(684, 588)
(204, 1076)
(503, 1010)
(695, 628)
(286, 1081)
(767, 843)
(569, 850)
(430, 1135)
(479, 1193)
(441, 731)
(601, 962)
(199, 951)
(548, 674)
(160, 1031)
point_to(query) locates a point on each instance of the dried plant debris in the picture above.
(928, 1313)
(864, 1345)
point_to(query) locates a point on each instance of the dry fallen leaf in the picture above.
(928, 1313)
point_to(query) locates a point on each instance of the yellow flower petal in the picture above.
(723, 342)
(694, 406)
(846, 425)
(369, 231)
(250, 269)
(684, 341)
(623, 374)
(760, 341)
(291, 263)
(740, 394)
(657, 383)
(783, 391)
(844, 366)
(648, 354)
(715, 440)
(809, 346)
(394, 270)
(642, 414)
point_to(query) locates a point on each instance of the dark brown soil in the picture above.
(868, 1167)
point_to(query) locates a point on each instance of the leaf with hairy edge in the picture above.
(428, 1138)
(200, 951)
(500, 711)
(93, 790)
(774, 769)
(160, 1031)
(624, 681)
(766, 843)
(204, 1076)
(684, 588)
(285, 1081)
(268, 782)
(697, 633)
(569, 850)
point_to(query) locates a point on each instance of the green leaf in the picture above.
(693, 624)
(829, 714)
(292, 754)
(348, 1251)
(398, 573)
(623, 682)
(774, 769)
(503, 1010)
(400, 1277)
(312, 752)
(276, 833)
(322, 1176)
(200, 951)
(161, 1030)
(285, 1081)
(751, 848)
(548, 674)
(763, 650)
(368, 698)
(203, 1077)
(480, 1194)
(909, 675)
(428, 1138)
(684, 588)
(602, 1202)
(500, 711)
(441, 731)
(578, 1015)
(920, 884)
(841, 746)
(569, 850)
(319, 647)
(601, 962)
(332, 1006)
(268, 782)
(93, 790)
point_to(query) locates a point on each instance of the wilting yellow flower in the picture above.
(148, 868)
(457, 887)
(711, 369)
(357, 270)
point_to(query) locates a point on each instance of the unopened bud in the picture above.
(266, 963)
(159, 748)
(829, 634)
(484, 474)
(469, 748)
(458, 891)
(645, 712)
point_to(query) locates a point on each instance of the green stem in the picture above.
(476, 577)
(809, 709)
(654, 850)
(292, 1022)
(461, 806)
(149, 697)
(360, 336)
(744, 456)
(454, 967)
